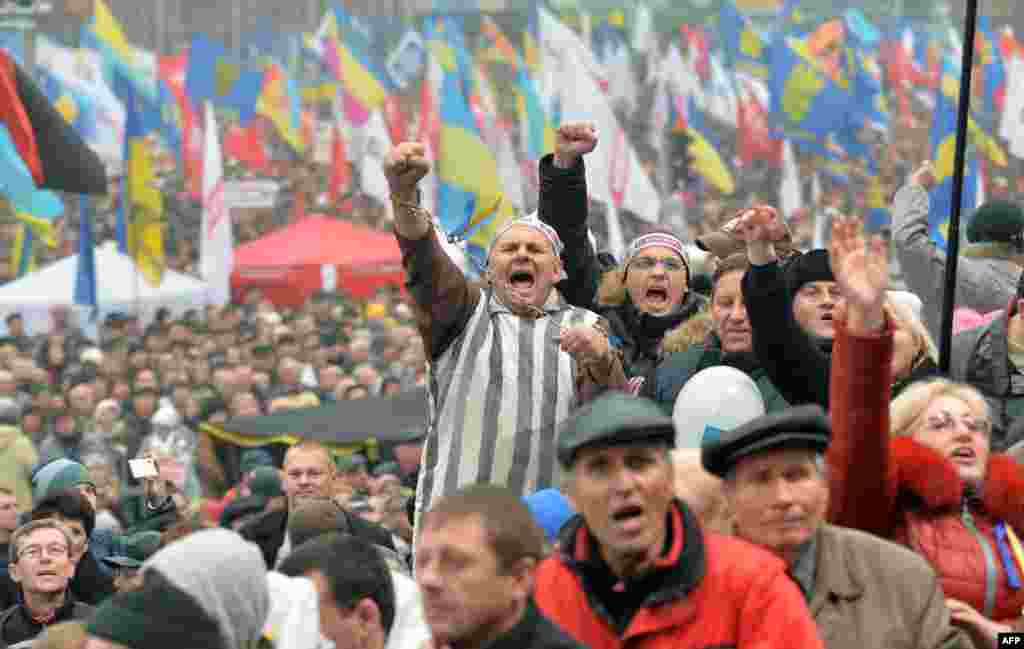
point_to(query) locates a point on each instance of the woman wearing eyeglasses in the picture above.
(921, 472)
(643, 298)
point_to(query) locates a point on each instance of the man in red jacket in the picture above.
(635, 565)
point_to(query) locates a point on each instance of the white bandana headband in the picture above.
(536, 224)
(662, 239)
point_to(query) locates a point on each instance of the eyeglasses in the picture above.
(36, 551)
(945, 421)
(671, 264)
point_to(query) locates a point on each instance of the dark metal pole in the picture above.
(959, 161)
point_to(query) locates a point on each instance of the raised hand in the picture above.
(586, 343)
(924, 176)
(757, 223)
(405, 166)
(861, 269)
(572, 140)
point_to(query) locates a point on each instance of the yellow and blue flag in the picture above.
(806, 105)
(213, 76)
(279, 102)
(23, 254)
(472, 206)
(943, 141)
(140, 224)
(745, 48)
(703, 149)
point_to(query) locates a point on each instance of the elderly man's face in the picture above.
(44, 563)
(523, 268)
(778, 499)
(624, 494)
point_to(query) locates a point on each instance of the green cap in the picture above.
(8, 340)
(135, 550)
(263, 350)
(411, 435)
(265, 483)
(996, 221)
(39, 388)
(614, 418)
(350, 463)
(386, 468)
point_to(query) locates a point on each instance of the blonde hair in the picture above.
(310, 446)
(906, 320)
(906, 410)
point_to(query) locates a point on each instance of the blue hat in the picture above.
(551, 510)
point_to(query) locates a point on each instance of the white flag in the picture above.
(790, 192)
(1012, 124)
(216, 252)
(614, 174)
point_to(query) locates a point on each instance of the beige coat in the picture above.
(873, 594)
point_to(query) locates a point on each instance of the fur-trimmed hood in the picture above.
(920, 470)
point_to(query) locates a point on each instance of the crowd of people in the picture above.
(544, 503)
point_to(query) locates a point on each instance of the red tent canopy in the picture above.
(289, 264)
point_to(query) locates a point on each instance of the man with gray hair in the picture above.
(777, 491)
(509, 358)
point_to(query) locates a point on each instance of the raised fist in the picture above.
(924, 176)
(758, 223)
(405, 166)
(573, 140)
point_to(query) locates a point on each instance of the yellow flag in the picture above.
(145, 224)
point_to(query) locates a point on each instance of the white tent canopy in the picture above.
(119, 287)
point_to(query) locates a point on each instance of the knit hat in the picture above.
(550, 509)
(996, 221)
(57, 476)
(158, 615)
(812, 266)
(135, 550)
(252, 458)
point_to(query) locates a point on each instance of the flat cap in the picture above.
(800, 427)
(612, 419)
(996, 221)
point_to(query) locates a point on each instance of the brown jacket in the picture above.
(873, 594)
(444, 301)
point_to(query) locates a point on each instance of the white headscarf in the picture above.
(226, 576)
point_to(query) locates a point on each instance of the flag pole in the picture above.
(959, 162)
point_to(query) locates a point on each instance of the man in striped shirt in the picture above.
(509, 358)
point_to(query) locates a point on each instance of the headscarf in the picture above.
(226, 575)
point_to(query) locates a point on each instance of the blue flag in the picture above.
(85, 274)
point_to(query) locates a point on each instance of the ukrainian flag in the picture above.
(23, 256)
(805, 103)
(141, 226)
(745, 48)
(472, 206)
(279, 102)
(943, 139)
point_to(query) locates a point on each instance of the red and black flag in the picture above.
(54, 153)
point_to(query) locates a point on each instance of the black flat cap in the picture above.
(801, 427)
(612, 419)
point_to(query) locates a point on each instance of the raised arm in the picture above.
(442, 297)
(978, 285)
(788, 355)
(563, 205)
(862, 495)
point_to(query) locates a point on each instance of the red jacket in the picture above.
(920, 500)
(722, 592)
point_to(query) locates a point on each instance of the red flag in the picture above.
(246, 146)
(172, 71)
(340, 176)
(394, 118)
